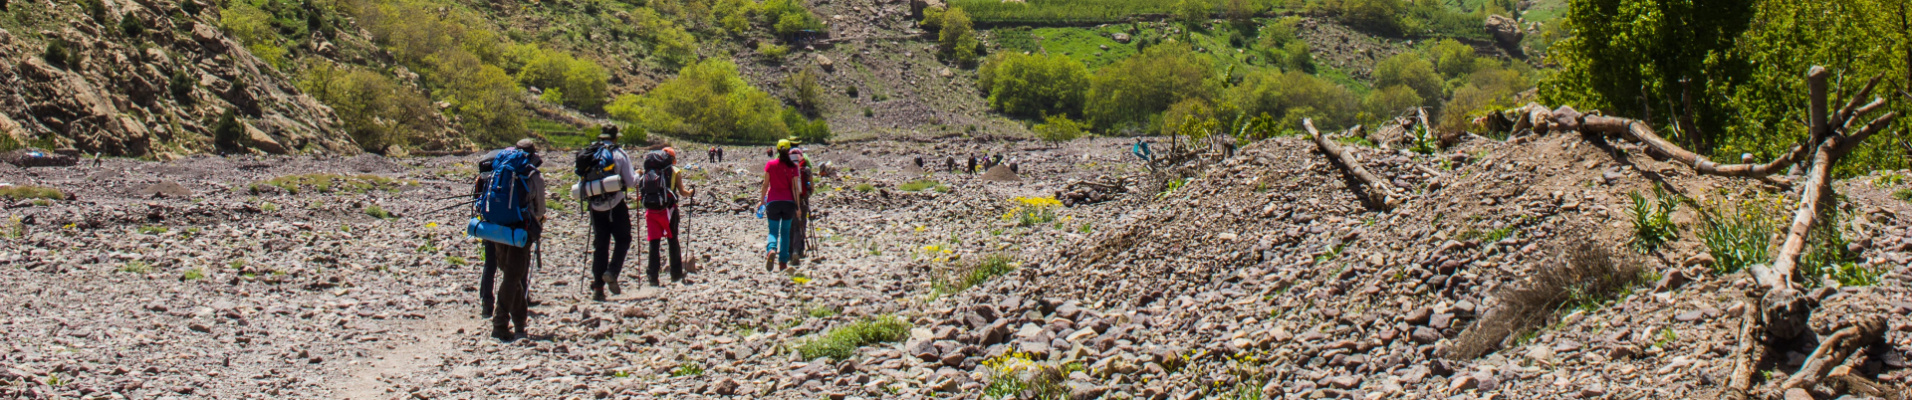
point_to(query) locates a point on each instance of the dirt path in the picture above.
(425, 344)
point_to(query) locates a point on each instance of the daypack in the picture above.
(594, 163)
(503, 199)
(654, 188)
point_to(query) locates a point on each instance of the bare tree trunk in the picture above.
(1835, 349)
(1374, 189)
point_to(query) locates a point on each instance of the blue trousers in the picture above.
(780, 214)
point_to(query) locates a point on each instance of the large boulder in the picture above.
(1504, 29)
(917, 7)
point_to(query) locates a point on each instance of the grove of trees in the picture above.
(709, 101)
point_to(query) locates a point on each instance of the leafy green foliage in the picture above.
(181, 86)
(789, 17)
(1390, 101)
(918, 185)
(956, 36)
(1057, 129)
(1652, 221)
(804, 90)
(1194, 13)
(461, 61)
(131, 26)
(841, 343)
(374, 109)
(1034, 85)
(1412, 71)
(1128, 93)
(56, 53)
(706, 101)
(228, 133)
(582, 83)
(23, 192)
(1376, 15)
(1282, 94)
(1739, 234)
(774, 52)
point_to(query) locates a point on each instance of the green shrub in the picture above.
(1391, 101)
(804, 90)
(581, 84)
(1281, 94)
(690, 368)
(375, 110)
(1381, 16)
(135, 267)
(1410, 70)
(378, 212)
(790, 16)
(131, 26)
(1902, 194)
(969, 275)
(1194, 13)
(864, 187)
(956, 36)
(1057, 129)
(807, 130)
(181, 86)
(707, 101)
(841, 343)
(56, 53)
(1452, 58)
(1652, 222)
(1130, 92)
(774, 52)
(96, 10)
(1034, 85)
(193, 274)
(24, 192)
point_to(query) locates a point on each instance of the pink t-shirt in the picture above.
(780, 176)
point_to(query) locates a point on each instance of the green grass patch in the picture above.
(1739, 234)
(23, 192)
(378, 212)
(135, 267)
(841, 343)
(152, 230)
(1903, 194)
(193, 274)
(687, 369)
(823, 312)
(456, 260)
(864, 188)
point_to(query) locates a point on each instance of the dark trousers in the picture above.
(799, 233)
(608, 227)
(513, 293)
(677, 259)
(485, 296)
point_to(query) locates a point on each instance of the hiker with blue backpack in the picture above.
(511, 219)
(605, 174)
(782, 199)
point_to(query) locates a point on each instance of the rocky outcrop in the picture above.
(1504, 29)
(156, 95)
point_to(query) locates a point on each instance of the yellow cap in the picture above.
(783, 144)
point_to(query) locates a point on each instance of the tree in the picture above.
(1631, 57)
(228, 134)
(1034, 85)
(1409, 69)
(957, 37)
(804, 90)
(1281, 93)
(707, 100)
(1391, 101)
(1057, 129)
(1129, 93)
(1194, 13)
(1452, 58)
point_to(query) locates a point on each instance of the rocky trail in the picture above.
(326, 277)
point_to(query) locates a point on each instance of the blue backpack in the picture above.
(504, 197)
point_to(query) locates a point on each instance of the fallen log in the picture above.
(1835, 349)
(1374, 189)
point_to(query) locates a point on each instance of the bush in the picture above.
(706, 101)
(1130, 92)
(581, 83)
(1034, 85)
(1391, 101)
(841, 343)
(806, 130)
(1739, 234)
(1452, 58)
(56, 53)
(969, 275)
(95, 9)
(918, 185)
(1409, 69)
(228, 133)
(1057, 129)
(956, 36)
(1279, 93)
(774, 52)
(1485, 90)
(181, 86)
(374, 109)
(804, 90)
(1194, 13)
(1382, 16)
(131, 26)
(789, 17)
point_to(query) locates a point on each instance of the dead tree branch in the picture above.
(1374, 189)
(1835, 349)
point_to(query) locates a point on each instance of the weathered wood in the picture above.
(1374, 189)
(1640, 132)
(1834, 351)
(1751, 350)
(1817, 187)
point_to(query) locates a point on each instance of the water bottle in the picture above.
(760, 211)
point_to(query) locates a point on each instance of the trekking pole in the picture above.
(459, 204)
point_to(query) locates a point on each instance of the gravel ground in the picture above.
(1263, 274)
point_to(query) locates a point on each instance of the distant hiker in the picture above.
(610, 217)
(919, 162)
(781, 197)
(972, 163)
(710, 155)
(661, 190)
(997, 161)
(1141, 150)
(800, 226)
(949, 164)
(512, 204)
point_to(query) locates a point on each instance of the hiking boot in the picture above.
(610, 282)
(770, 263)
(484, 311)
(502, 333)
(521, 332)
(654, 282)
(597, 294)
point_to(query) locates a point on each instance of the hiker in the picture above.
(490, 270)
(1141, 150)
(781, 197)
(513, 202)
(919, 162)
(800, 227)
(949, 164)
(972, 164)
(710, 155)
(661, 190)
(610, 217)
